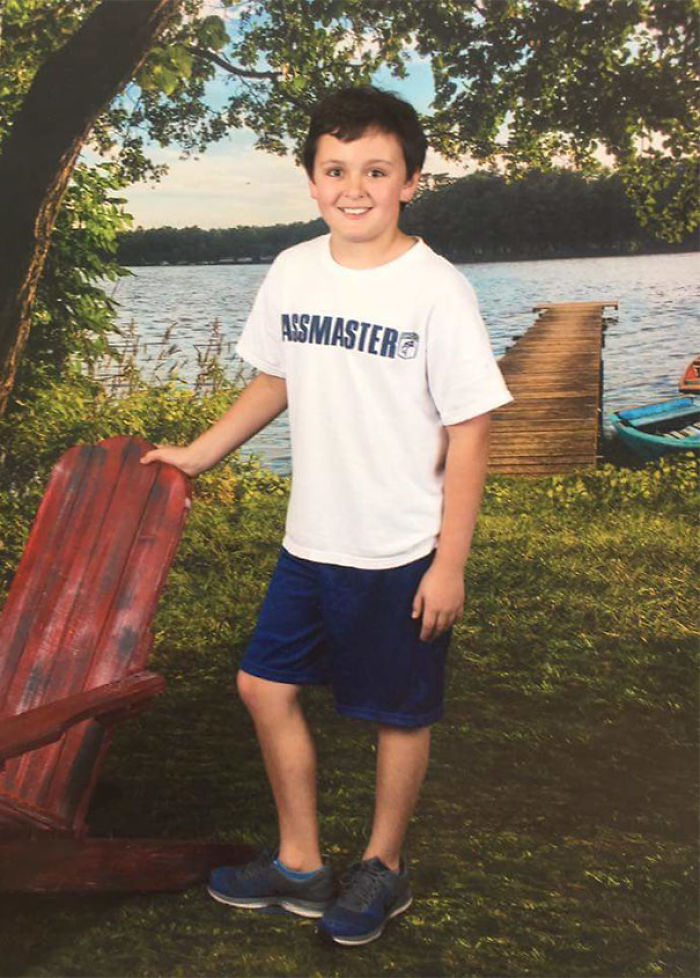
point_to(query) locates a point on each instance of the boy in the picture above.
(376, 346)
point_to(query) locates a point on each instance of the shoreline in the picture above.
(474, 260)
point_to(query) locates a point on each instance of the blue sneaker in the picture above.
(371, 895)
(259, 884)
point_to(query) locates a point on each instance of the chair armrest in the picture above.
(45, 724)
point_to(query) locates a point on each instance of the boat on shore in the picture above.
(653, 430)
(690, 381)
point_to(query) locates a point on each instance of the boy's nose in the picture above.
(354, 187)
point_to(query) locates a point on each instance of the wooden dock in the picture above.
(554, 372)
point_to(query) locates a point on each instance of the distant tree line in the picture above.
(156, 246)
(545, 214)
(480, 217)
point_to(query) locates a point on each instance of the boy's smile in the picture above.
(359, 186)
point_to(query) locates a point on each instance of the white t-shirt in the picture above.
(376, 362)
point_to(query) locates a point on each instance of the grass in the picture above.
(556, 833)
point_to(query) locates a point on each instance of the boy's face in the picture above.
(359, 185)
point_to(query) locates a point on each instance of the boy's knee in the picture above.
(258, 693)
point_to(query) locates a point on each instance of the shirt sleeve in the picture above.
(260, 343)
(464, 378)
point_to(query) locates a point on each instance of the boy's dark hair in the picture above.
(348, 112)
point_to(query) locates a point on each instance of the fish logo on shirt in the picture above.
(408, 345)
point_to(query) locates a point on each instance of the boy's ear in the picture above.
(313, 189)
(410, 187)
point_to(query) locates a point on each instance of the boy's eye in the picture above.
(374, 172)
(334, 171)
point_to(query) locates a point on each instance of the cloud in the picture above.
(232, 185)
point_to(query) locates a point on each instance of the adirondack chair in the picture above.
(74, 639)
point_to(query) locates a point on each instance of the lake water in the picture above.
(647, 342)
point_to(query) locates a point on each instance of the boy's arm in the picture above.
(465, 474)
(262, 400)
(440, 596)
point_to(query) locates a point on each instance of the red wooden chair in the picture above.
(74, 639)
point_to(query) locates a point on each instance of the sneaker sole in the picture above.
(303, 908)
(372, 935)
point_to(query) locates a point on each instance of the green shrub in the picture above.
(673, 477)
(669, 480)
(73, 315)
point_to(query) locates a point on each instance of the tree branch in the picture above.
(232, 69)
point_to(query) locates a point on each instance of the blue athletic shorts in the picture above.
(351, 628)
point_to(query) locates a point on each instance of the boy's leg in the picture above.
(289, 756)
(384, 673)
(378, 888)
(402, 760)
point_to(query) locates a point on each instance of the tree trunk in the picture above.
(67, 95)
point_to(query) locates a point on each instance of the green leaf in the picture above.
(181, 60)
(212, 33)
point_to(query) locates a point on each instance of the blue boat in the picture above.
(653, 430)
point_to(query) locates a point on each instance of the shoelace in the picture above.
(264, 858)
(360, 884)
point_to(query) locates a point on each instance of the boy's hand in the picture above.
(179, 456)
(440, 599)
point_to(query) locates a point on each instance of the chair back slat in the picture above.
(93, 597)
(52, 654)
(36, 568)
